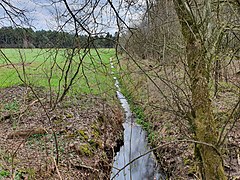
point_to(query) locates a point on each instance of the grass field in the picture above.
(39, 64)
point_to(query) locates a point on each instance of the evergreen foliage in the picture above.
(28, 38)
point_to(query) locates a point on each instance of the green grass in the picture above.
(93, 77)
(11, 106)
(4, 174)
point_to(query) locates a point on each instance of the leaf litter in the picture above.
(86, 126)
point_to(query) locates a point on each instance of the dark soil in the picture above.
(86, 127)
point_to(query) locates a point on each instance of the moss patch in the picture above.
(85, 149)
(82, 134)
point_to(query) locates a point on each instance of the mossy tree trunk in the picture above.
(211, 167)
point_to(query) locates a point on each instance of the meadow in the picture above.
(54, 68)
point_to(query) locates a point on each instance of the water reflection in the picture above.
(135, 144)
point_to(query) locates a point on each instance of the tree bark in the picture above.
(211, 166)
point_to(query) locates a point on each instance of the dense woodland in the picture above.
(28, 38)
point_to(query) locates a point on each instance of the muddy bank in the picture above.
(87, 129)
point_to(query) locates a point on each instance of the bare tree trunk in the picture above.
(211, 167)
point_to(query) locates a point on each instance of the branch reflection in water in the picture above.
(135, 144)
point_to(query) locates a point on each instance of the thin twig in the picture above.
(59, 175)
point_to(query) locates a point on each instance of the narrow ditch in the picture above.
(129, 162)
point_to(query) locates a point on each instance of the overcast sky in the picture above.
(42, 14)
(37, 11)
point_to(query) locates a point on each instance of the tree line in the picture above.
(18, 37)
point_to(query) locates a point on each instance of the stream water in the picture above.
(135, 145)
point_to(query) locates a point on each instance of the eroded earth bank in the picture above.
(86, 128)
